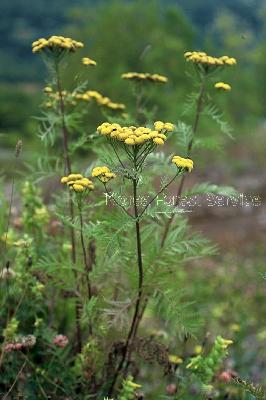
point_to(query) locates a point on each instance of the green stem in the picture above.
(130, 337)
(117, 202)
(199, 108)
(68, 169)
(157, 194)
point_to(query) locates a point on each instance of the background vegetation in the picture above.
(151, 36)
(226, 288)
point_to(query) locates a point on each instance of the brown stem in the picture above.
(138, 316)
(179, 192)
(15, 381)
(87, 266)
(130, 337)
(71, 206)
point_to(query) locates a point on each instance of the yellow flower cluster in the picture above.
(180, 162)
(100, 99)
(77, 182)
(55, 43)
(88, 61)
(200, 57)
(175, 359)
(167, 126)
(222, 86)
(145, 77)
(103, 174)
(71, 97)
(132, 135)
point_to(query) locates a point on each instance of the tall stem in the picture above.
(130, 336)
(87, 267)
(63, 122)
(199, 107)
(138, 314)
(71, 206)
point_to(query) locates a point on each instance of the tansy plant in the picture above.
(132, 146)
(61, 115)
(206, 68)
(81, 187)
(101, 270)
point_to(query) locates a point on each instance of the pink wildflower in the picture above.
(60, 341)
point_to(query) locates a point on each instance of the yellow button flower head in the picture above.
(167, 126)
(78, 188)
(77, 182)
(145, 77)
(130, 141)
(103, 174)
(206, 61)
(100, 100)
(115, 106)
(56, 46)
(175, 359)
(222, 86)
(185, 163)
(198, 349)
(158, 125)
(88, 61)
(136, 136)
(158, 141)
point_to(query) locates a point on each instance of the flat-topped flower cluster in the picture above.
(200, 57)
(145, 76)
(72, 98)
(77, 182)
(184, 163)
(100, 99)
(132, 135)
(103, 174)
(56, 43)
(88, 61)
(222, 86)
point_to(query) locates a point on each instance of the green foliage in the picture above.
(256, 391)
(206, 365)
(96, 23)
(128, 389)
(101, 281)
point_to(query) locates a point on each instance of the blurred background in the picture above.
(132, 35)
(148, 36)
